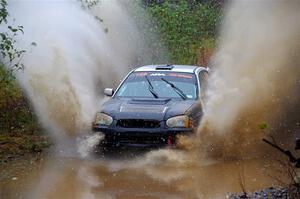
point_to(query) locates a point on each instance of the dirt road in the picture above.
(131, 177)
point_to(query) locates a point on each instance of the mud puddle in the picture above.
(116, 177)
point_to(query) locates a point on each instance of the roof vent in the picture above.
(165, 67)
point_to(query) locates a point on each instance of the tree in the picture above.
(186, 30)
(9, 54)
(15, 112)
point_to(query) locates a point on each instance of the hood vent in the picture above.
(166, 67)
(149, 101)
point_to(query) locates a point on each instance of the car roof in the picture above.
(168, 67)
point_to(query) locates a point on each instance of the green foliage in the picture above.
(263, 126)
(15, 113)
(10, 55)
(3, 11)
(88, 4)
(154, 49)
(185, 30)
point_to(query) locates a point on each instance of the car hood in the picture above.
(158, 109)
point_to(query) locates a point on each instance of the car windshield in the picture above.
(137, 85)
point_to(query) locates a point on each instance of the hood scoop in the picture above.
(149, 101)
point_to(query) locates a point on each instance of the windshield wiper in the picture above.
(150, 88)
(176, 89)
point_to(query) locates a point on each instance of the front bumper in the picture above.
(140, 137)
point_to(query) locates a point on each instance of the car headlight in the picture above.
(103, 119)
(182, 121)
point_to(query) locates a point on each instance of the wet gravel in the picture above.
(291, 192)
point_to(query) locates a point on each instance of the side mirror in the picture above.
(109, 92)
(297, 147)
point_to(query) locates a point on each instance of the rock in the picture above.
(270, 193)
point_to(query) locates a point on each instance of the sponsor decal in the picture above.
(142, 74)
(157, 74)
(180, 75)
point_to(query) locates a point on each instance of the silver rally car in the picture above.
(153, 105)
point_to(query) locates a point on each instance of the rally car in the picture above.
(152, 105)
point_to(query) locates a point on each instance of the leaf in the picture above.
(3, 36)
(263, 126)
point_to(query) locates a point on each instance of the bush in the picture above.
(15, 112)
(185, 30)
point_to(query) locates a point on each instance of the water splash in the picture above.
(78, 52)
(88, 143)
(255, 77)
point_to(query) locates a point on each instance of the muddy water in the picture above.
(119, 177)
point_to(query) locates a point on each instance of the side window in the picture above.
(203, 77)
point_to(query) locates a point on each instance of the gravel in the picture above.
(271, 193)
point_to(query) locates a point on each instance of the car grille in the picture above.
(138, 123)
(142, 109)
